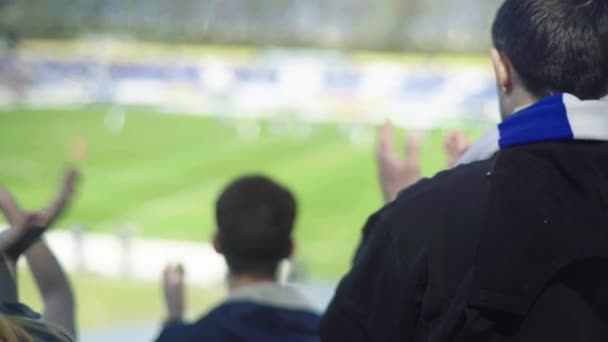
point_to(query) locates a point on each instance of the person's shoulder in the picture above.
(242, 318)
(446, 191)
(174, 332)
(460, 177)
(197, 330)
(262, 310)
(455, 189)
(451, 198)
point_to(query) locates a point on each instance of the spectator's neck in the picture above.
(237, 281)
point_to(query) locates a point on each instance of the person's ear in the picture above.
(502, 71)
(217, 244)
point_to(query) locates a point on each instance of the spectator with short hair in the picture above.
(255, 220)
(510, 245)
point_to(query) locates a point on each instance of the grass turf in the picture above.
(163, 172)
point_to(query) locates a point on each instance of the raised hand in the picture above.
(47, 216)
(455, 145)
(10, 238)
(173, 289)
(78, 150)
(24, 236)
(10, 208)
(27, 227)
(13, 241)
(397, 172)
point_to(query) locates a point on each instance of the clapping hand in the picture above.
(27, 227)
(397, 172)
(455, 144)
(173, 289)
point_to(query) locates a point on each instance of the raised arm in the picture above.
(54, 287)
(174, 328)
(173, 290)
(12, 240)
(24, 235)
(8, 239)
(15, 234)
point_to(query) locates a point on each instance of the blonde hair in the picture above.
(11, 331)
(24, 329)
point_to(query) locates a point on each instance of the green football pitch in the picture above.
(162, 173)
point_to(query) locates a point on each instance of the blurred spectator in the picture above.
(255, 219)
(513, 246)
(57, 323)
(12, 70)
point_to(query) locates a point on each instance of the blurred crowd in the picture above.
(389, 24)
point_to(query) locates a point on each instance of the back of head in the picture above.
(255, 218)
(556, 46)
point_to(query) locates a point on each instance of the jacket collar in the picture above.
(273, 294)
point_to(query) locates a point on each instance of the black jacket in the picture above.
(509, 249)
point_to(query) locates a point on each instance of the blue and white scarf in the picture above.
(558, 117)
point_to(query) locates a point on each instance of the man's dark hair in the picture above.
(255, 218)
(556, 46)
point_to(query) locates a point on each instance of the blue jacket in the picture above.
(246, 318)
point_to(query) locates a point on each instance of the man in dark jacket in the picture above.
(512, 245)
(255, 219)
